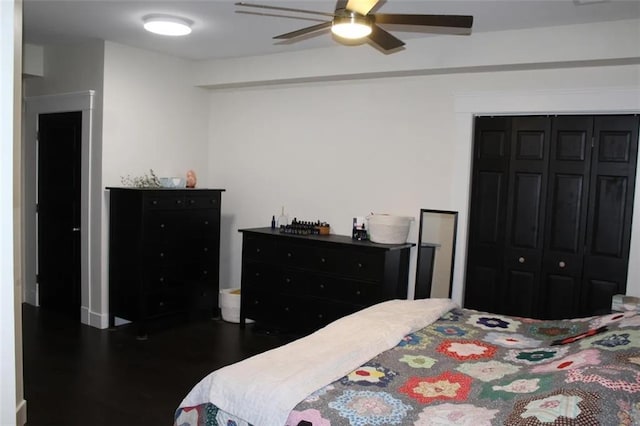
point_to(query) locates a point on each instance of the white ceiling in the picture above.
(219, 32)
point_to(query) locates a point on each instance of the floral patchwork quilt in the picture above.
(475, 368)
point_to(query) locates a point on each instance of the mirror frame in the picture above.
(428, 251)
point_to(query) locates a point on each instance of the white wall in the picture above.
(154, 118)
(334, 150)
(12, 402)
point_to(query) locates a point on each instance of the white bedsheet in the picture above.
(263, 389)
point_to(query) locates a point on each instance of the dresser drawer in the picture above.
(202, 201)
(345, 290)
(163, 225)
(158, 255)
(164, 200)
(258, 275)
(162, 278)
(164, 302)
(270, 308)
(199, 223)
(202, 297)
(293, 255)
(260, 249)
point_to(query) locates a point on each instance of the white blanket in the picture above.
(263, 389)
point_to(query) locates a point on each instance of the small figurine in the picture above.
(191, 179)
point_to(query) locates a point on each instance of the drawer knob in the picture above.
(161, 304)
(320, 316)
(205, 249)
(258, 250)
(323, 260)
(321, 286)
(256, 302)
(161, 254)
(205, 272)
(359, 265)
(562, 264)
(162, 225)
(161, 279)
(178, 201)
(287, 280)
(521, 259)
(289, 255)
(206, 222)
(358, 293)
(154, 202)
(286, 309)
(192, 201)
(257, 274)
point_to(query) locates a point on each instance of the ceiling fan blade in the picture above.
(341, 4)
(361, 6)
(457, 21)
(304, 31)
(277, 15)
(284, 9)
(383, 39)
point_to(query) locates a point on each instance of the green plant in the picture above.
(144, 181)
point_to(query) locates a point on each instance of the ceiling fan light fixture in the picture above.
(351, 27)
(167, 25)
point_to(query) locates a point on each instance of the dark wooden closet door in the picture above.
(526, 204)
(488, 213)
(610, 209)
(566, 216)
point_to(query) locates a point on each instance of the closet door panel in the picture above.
(488, 213)
(527, 200)
(560, 300)
(565, 217)
(521, 292)
(607, 237)
(569, 171)
(610, 210)
(526, 204)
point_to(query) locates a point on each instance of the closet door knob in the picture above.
(521, 259)
(562, 264)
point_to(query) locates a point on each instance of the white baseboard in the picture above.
(93, 319)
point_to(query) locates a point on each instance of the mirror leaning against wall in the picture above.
(436, 250)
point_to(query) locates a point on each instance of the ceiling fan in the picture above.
(354, 20)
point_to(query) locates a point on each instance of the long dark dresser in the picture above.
(295, 282)
(164, 247)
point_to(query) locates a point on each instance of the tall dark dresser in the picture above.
(164, 250)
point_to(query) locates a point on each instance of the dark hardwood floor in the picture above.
(79, 375)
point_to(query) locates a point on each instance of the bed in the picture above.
(429, 362)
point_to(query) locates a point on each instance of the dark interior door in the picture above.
(569, 177)
(613, 176)
(526, 206)
(487, 216)
(59, 179)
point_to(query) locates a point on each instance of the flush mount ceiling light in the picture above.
(351, 26)
(167, 25)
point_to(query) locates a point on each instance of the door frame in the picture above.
(606, 100)
(89, 215)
